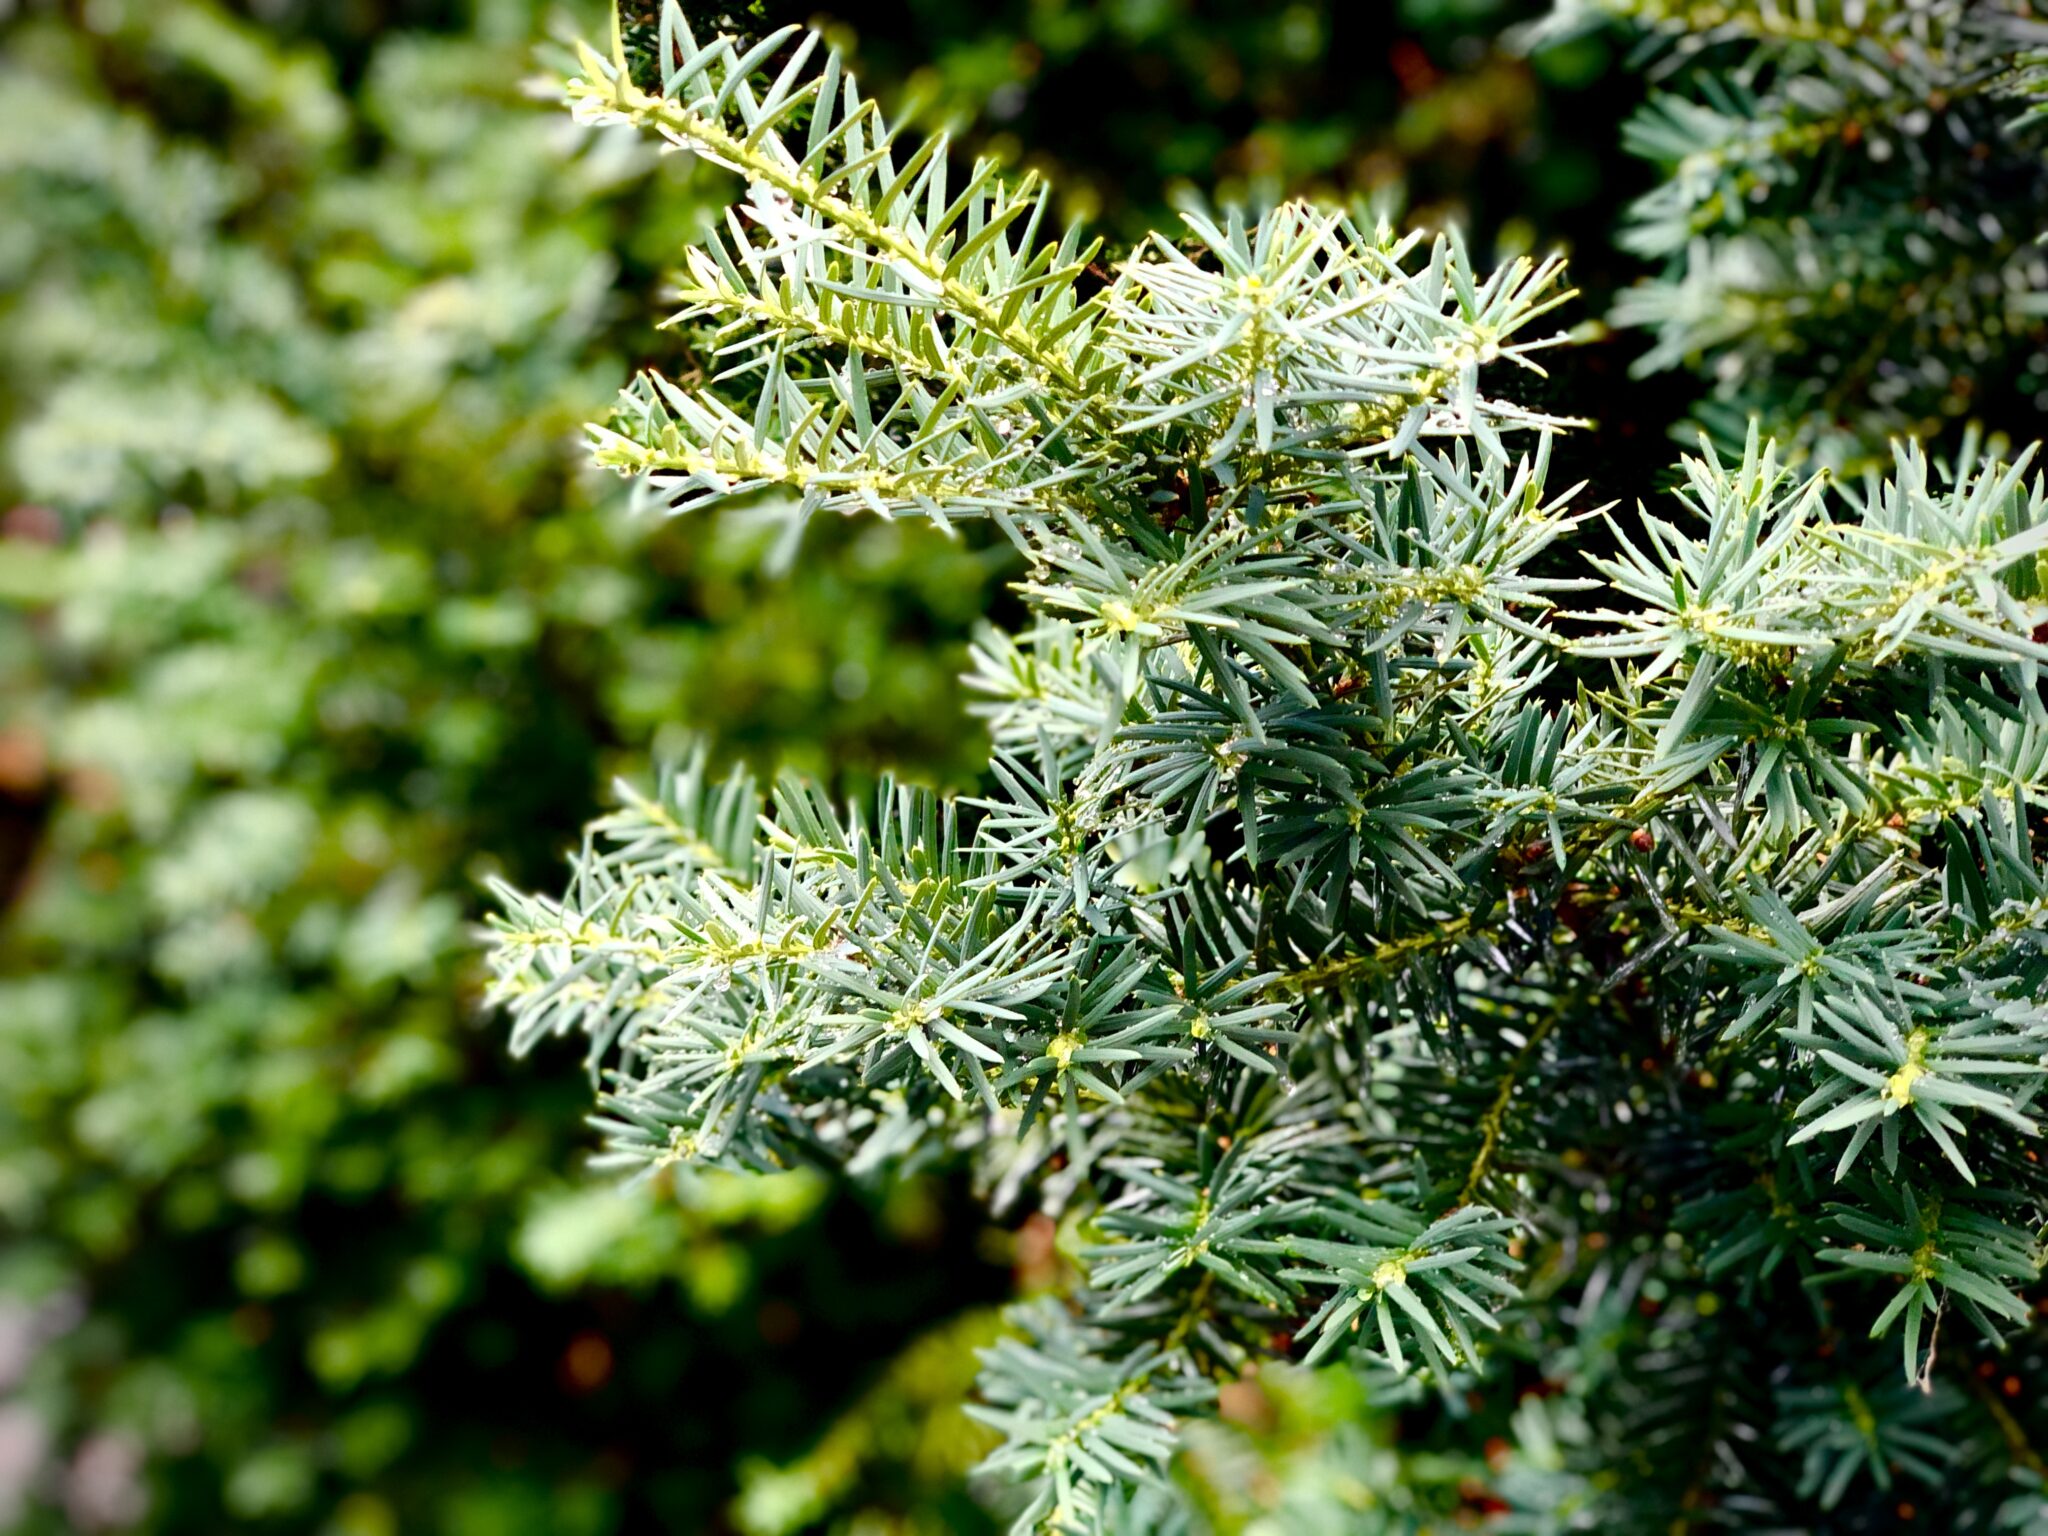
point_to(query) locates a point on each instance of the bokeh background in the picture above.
(311, 618)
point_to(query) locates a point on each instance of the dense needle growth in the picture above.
(1846, 232)
(1412, 919)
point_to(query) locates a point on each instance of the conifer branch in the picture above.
(1338, 817)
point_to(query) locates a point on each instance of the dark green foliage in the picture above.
(1849, 222)
(1128, 107)
(1412, 919)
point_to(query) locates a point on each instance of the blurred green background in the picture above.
(311, 617)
